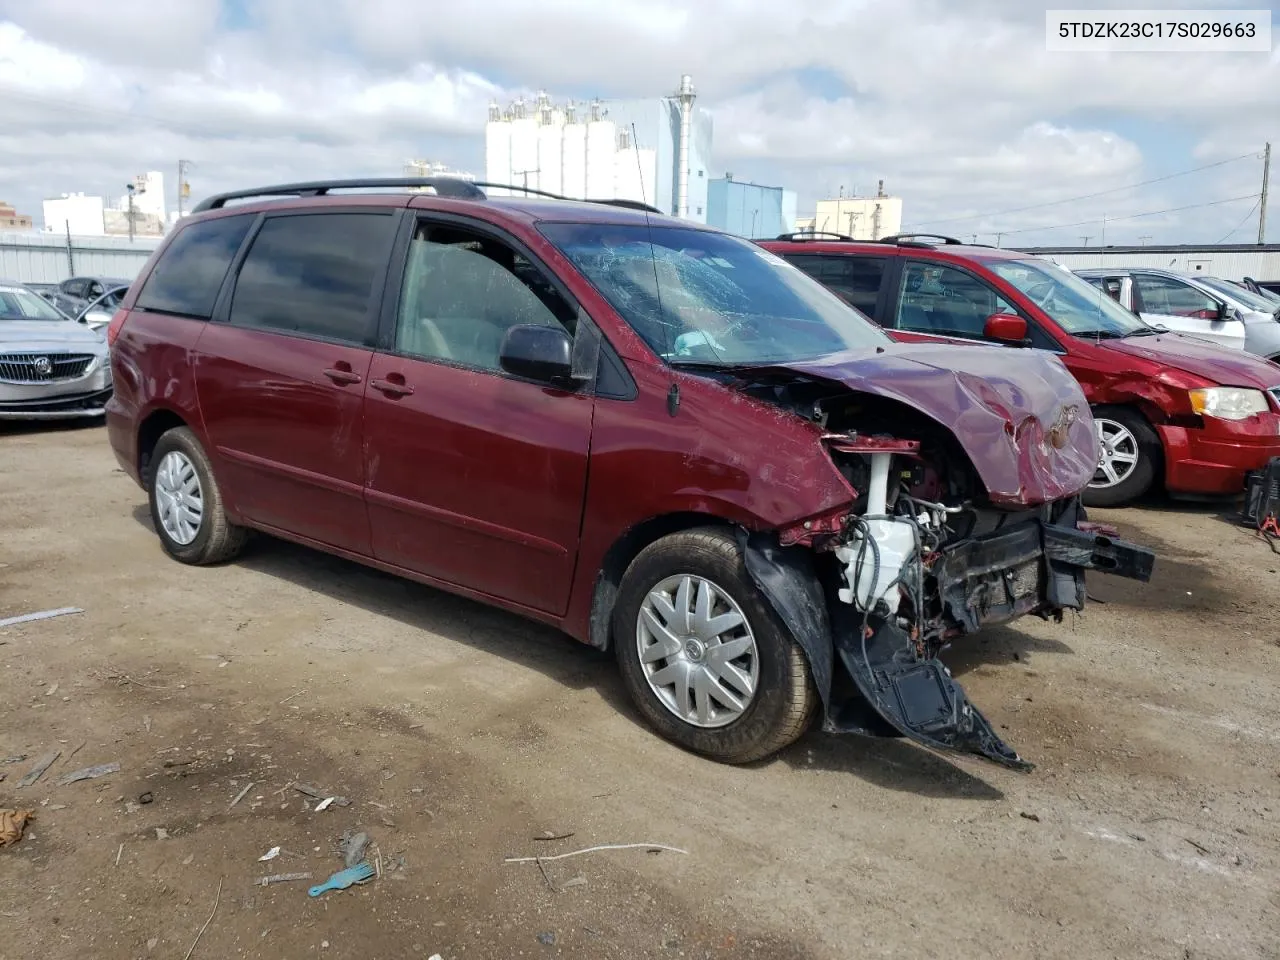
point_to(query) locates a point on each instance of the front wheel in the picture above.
(1128, 453)
(703, 655)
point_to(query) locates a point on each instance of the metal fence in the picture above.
(28, 257)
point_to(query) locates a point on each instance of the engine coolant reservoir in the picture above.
(897, 545)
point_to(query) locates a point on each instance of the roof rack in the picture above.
(452, 187)
(910, 239)
(812, 235)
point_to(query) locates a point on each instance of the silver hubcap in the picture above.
(697, 651)
(1118, 453)
(179, 499)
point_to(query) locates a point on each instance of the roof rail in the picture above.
(444, 186)
(454, 187)
(900, 238)
(812, 235)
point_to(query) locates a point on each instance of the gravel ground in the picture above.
(462, 736)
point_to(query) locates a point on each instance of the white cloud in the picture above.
(958, 107)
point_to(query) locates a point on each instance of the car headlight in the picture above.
(1228, 403)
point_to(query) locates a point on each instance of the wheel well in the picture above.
(619, 557)
(153, 428)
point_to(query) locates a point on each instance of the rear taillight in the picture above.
(116, 325)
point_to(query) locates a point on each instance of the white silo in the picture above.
(497, 146)
(602, 147)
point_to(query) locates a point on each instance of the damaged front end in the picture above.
(875, 592)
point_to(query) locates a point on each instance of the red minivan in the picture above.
(1167, 407)
(660, 438)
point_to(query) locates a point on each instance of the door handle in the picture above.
(392, 388)
(340, 376)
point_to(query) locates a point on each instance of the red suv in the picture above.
(1167, 407)
(656, 436)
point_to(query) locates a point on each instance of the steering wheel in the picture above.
(1041, 301)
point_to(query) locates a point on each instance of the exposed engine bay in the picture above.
(921, 558)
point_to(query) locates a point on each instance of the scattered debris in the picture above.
(3, 777)
(12, 823)
(42, 615)
(283, 878)
(651, 847)
(14, 759)
(36, 772)
(216, 899)
(162, 833)
(1034, 817)
(146, 723)
(145, 798)
(89, 773)
(152, 944)
(547, 939)
(343, 879)
(51, 691)
(324, 804)
(315, 793)
(555, 836)
(83, 744)
(269, 855)
(53, 806)
(291, 696)
(1204, 850)
(578, 881)
(388, 774)
(240, 796)
(118, 854)
(354, 847)
(170, 764)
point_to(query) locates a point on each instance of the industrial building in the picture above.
(11, 219)
(432, 168)
(653, 151)
(750, 209)
(1230, 261)
(862, 218)
(139, 212)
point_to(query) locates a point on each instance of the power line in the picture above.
(1243, 220)
(1088, 196)
(1134, 216)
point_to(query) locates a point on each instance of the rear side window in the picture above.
(314, 275)
(855, 280)
(191, 270)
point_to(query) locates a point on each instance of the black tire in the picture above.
(216, 539)
(785, 700)
(1143, 475)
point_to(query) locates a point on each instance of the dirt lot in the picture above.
(1150, 828)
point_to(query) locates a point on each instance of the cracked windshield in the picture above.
(706, 298)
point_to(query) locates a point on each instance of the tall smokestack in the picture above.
(686, 98)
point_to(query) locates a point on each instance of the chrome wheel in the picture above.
(697, 651)
(179, 499)
(1117, 453)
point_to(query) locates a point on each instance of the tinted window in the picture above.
(1174, 298)
(946, 301)
(855, 280)
(190, 271)
(463, 291)
(314, 274)
(699, 296)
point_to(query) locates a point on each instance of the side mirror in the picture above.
(96, 318)
(537, 352)
(1006, 328)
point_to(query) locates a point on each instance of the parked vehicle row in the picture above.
(1168, 407)
(658, 437)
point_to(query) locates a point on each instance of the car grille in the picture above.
(43, 367)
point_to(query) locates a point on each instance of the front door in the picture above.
(476, 478)
(281, 379)
(1177, 305)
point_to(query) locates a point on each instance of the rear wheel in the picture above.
(186, 503)
(1129, 450)
(703, 656)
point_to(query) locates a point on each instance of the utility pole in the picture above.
(1262, 200)
(1085, 240)
(182, 184)
(130, 188)
(1143, 240)
(71, 260)
(1103, 241)
(998, 238)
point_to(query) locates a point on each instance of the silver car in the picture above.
(51, 368)
(1196, 305)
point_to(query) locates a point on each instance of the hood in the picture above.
(25, 335)
(1224, 366)
(1020, 415)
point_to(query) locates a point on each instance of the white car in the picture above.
(51, 367)
(1198, 306)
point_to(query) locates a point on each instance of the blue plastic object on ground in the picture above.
(344, 878)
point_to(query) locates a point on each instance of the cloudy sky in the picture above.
(956, 105)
